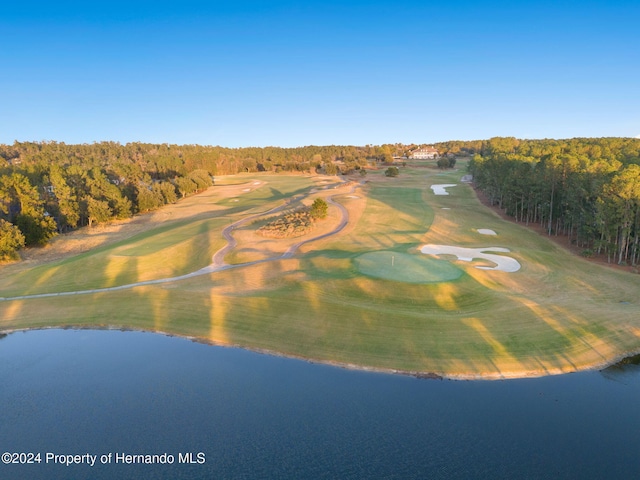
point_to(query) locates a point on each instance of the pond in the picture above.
(198, 411)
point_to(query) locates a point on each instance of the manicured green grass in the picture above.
(396, 217)
(402, 267)
(341, 302)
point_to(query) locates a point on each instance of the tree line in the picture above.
(48, 188)
(585, 188)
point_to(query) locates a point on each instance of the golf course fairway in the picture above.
(356, 291)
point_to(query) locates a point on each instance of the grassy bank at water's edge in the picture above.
(557, 313)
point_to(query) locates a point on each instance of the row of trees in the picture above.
(587, 189)
(62, 199)
(165, 161)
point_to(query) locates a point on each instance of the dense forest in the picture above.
(585, 188)
(50, 187)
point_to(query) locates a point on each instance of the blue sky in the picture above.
(255, 73)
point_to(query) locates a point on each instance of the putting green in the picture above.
(403, 267)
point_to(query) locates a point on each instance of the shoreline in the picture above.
(489, 366)
(421, 375)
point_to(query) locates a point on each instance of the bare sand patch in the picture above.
(353, 196)
(486, 231)
(503, 263)
(439, 189)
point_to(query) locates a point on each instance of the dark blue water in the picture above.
(255, 416)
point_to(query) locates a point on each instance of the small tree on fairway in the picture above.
(319, 208)
(392, 172)
(443, 163)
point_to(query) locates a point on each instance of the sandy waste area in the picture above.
(503, 263)
(439, 189)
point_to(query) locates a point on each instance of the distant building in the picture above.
(424, 153)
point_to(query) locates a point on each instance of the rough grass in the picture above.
(559, 313)
(182, 244)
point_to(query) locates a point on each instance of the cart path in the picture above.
(217, 261)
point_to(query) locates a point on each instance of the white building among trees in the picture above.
(424, 153)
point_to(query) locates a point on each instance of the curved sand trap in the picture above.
(504, 264)
(486, 231)
(439, 189)
(403, 267)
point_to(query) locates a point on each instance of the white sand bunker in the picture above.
(256, 183)
(503, 263)
(246, 189)
(234, 200)
(439, 189)
(353, 196)
(446, 208)
(486, 231)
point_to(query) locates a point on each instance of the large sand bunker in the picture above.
(503, 263)
(486, 231)
(439, 189)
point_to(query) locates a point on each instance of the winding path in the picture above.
(343, 223)
(217, 261)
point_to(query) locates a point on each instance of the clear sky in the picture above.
(292, 73)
